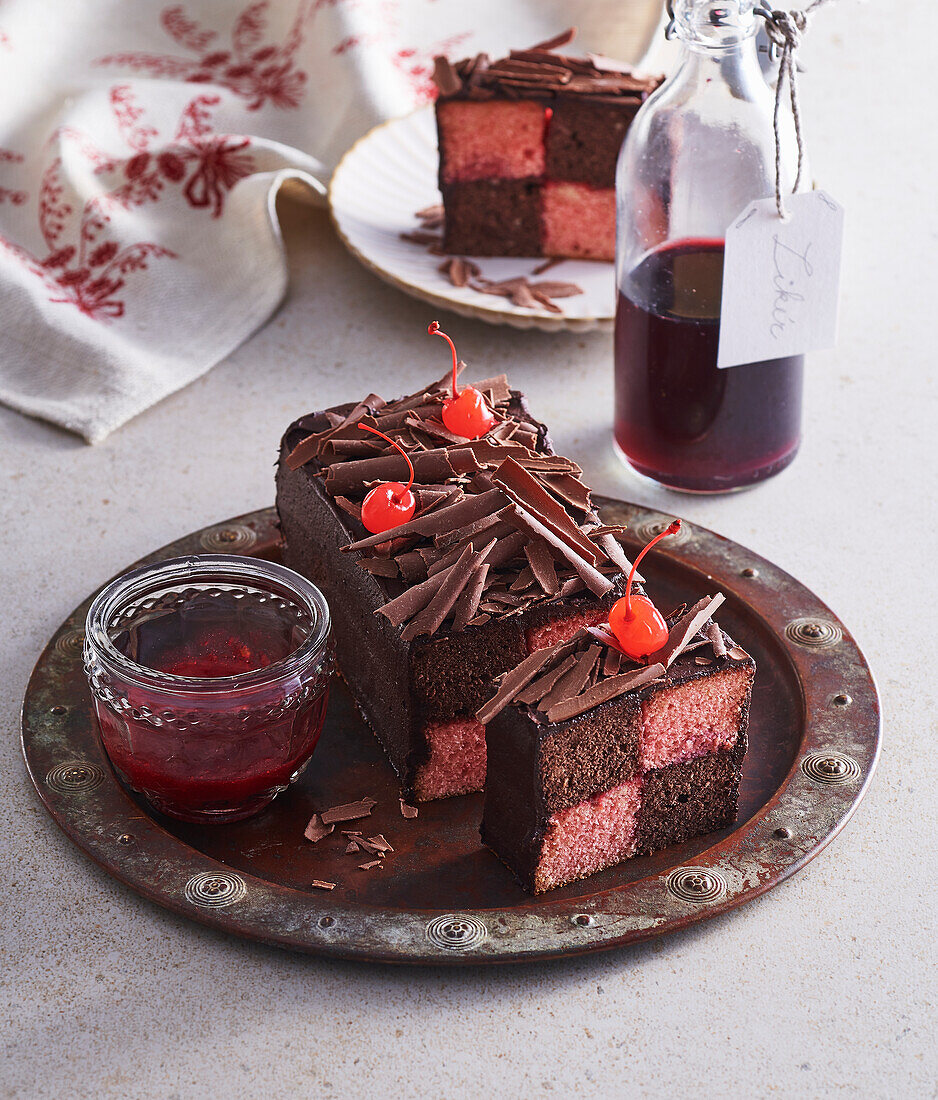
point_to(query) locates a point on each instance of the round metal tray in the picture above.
(442, 897)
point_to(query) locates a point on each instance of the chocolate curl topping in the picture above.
(429, 466)
(444, 76)
(715, 634)
(527, 491)
(542, 566)
(574, 681)
(594, 580)
(310, 447)
(454, 581)
(442, 519)
(468, 603)
(603, 692)
(513, 681)
(614, 552)
(557, 41)
(537, 689)
(686, 627)
(412, 600)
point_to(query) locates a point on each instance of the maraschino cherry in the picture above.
(389, 504)
(464, 413)
(636, 623)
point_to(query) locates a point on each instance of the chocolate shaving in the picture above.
(592, 578)
(434, 211)
(557, 290)
(498, 388)
(351, 847)
(319, 884)
(715, 634)
(703, 661)
(468, 602)
(546, 265)
(538, 688)
(454, 581)
(368, 866)
(614, 551)
(603, 692)
(542, 566)
(512, 682)
(410, 812)
(412, 600)
(612, 661)
(568, 488)
(573, 682)
(603, 634)
(686, 627)
(429, 466)
(459, 271)
(528, 492)
(442, 519)
(349, 812)
(444, 76)
(381, 567)
(420, 237)
(737, 653)
(317, 829)
(380, 843)
(557, 41)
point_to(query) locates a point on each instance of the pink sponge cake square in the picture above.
(495, 139)
(578, 220)
(594, 759)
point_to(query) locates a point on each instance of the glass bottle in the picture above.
(699, 151)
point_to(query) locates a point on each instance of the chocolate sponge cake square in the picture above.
(504, 555)
(593, 759)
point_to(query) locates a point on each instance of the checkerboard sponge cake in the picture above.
(594, 759)
(528, 149)
(504, 555)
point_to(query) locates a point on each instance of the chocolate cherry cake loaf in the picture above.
(503, 556)
(528, 149)
(594, 758)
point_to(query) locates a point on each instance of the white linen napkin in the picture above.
(142, 146)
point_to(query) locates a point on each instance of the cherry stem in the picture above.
(410, 466)
(434, 330)
(672, 529)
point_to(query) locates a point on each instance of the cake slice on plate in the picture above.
(528, 149)
(594, 758)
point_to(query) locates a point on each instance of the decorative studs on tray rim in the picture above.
(456, 932)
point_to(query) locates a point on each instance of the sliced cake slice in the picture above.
(594, 759)
(528, 148)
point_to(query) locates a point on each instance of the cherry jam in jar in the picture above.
(210, 676)
(679, 419)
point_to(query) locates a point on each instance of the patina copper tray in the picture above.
(442, 898)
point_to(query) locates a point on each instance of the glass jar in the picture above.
(699, 151)
(210, 677)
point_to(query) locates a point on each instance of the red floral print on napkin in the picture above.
(90, 272)
(256, 70)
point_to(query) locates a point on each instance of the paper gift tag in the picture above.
(781, 280)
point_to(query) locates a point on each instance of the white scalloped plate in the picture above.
(386, 177)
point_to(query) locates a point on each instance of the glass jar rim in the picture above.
(218, 569)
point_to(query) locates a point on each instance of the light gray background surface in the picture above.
(824, 987)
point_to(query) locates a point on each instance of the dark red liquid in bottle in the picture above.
(223, 753)
(678, 419)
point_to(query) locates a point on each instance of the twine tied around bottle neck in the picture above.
(785, 30)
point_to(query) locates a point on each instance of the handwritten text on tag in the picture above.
(781, 280)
